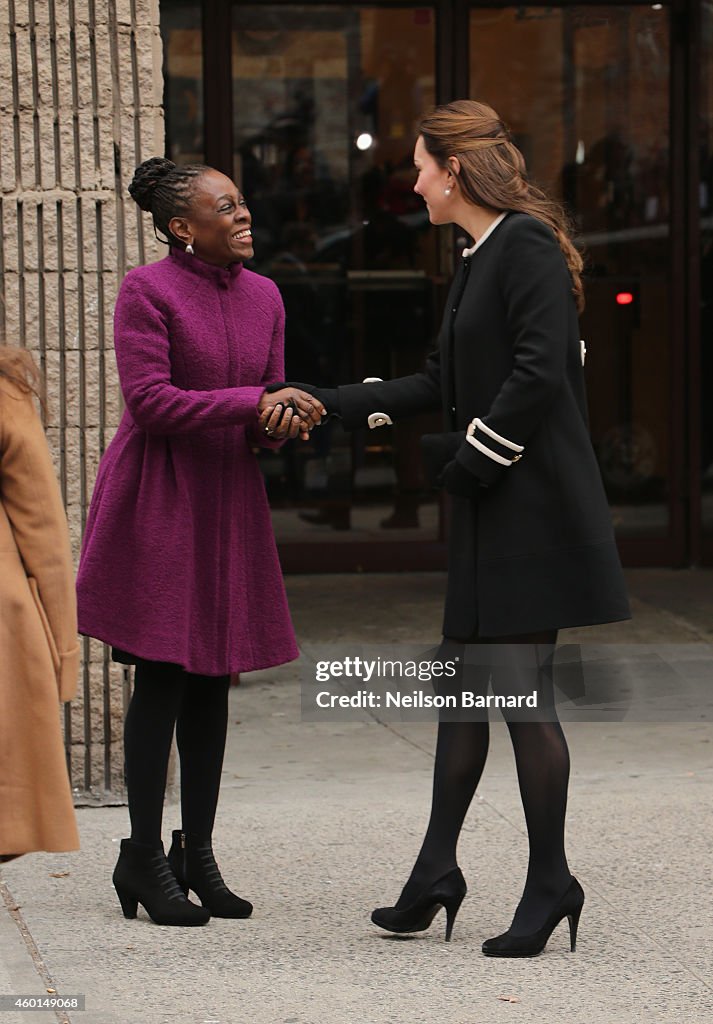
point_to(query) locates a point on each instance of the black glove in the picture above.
(456, 479)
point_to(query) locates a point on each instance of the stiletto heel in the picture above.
(573, 926)
(452, 909)
(569, 906)
(448, 891)
(129, 904)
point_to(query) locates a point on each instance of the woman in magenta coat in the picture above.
(179, 569)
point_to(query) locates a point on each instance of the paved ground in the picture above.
(319, 822)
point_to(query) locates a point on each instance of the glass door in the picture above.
(313, 108)
(586, 91)
(325, 103)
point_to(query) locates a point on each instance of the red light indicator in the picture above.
(624, 298)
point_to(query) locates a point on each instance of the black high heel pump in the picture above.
(570, 906)
(448, 891)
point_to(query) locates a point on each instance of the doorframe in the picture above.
(700, 551)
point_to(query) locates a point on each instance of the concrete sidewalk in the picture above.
(319, 822)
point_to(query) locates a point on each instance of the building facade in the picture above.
(312, 108)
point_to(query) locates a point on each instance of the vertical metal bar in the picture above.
(3, 327)
(116, 124)
(137, 126)
(76, 140)
(120, 271)
(35, 95)
(62, 341)
(42, 317)
(20, 214)
(81, 348)
(84, 487)
(15, 93)
(81, 345)
(55, 95)
(101, 325)
(94, 80)
(75, 96)
(101, 344)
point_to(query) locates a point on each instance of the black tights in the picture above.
(165, 697)
(542, 760)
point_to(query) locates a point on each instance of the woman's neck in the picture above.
(476, 219)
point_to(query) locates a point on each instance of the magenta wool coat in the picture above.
(179, 562)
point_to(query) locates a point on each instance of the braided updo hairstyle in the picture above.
(493, 172)
(165, 190)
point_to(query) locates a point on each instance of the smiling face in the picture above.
(432, 182)
(218, 224)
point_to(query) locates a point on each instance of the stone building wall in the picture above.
(80, 106)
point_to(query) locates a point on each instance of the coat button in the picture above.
(454, 310)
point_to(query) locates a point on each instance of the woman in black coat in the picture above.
(532, 548)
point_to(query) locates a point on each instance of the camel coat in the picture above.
(39, 651)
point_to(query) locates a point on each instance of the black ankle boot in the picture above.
(195, 868)
(143, 875)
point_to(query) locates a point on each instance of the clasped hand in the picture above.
(289, 413)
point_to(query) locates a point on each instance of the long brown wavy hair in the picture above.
(18, 366)
(493, 171)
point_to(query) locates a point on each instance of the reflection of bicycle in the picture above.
(627, 456)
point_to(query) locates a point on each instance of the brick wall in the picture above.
(80, 106)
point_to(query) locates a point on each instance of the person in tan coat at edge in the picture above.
(39, 650)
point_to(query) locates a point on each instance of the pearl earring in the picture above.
(447, 191)
(189, 249)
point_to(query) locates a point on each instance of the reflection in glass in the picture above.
(326, 100)
(183, 80)
(595, 131)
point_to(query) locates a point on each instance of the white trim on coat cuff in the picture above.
(471, 439)
(477, 423)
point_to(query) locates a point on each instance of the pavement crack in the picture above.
(38, 963)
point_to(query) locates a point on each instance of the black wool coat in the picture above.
(535, 550)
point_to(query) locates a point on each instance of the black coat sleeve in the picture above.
(537, 289)
(404, 396)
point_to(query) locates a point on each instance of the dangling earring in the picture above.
(189, 249)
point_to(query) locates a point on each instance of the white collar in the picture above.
(485, 235)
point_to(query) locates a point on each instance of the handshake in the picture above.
(285, 412)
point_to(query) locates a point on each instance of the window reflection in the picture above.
(183, 80)
(326, 100)
(586, 92)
